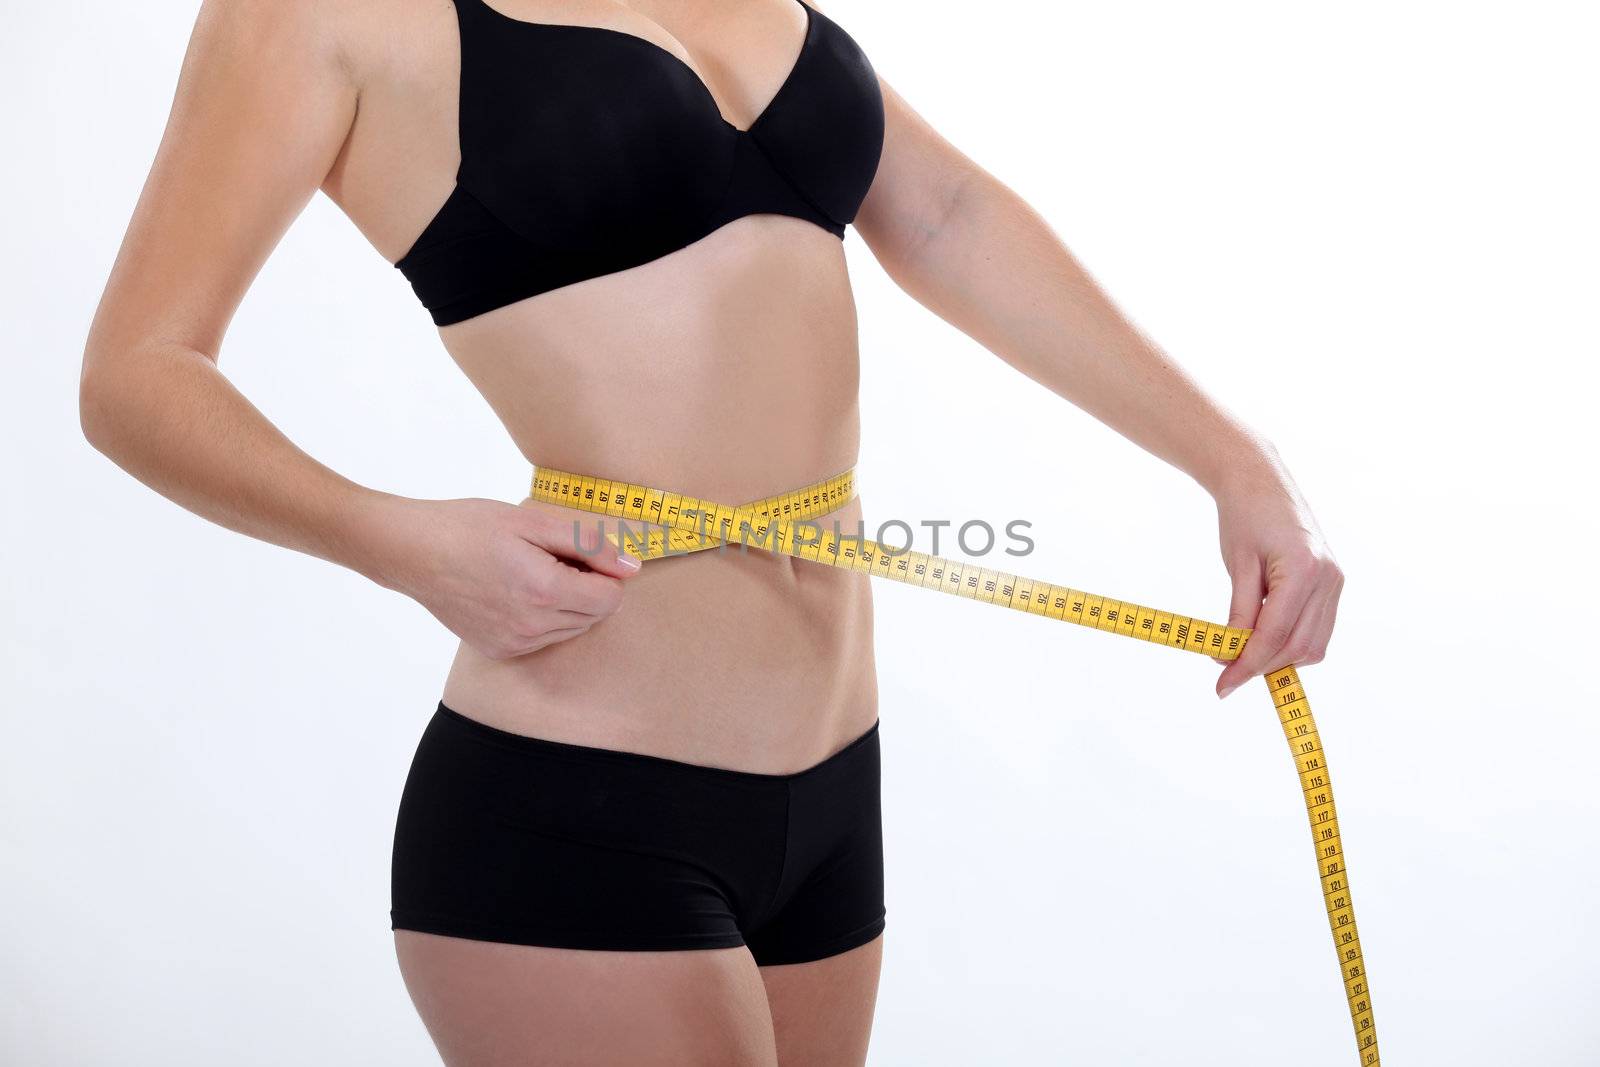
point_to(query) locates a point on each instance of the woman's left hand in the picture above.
(1286, 584)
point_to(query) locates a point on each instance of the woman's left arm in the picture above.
(973, 252)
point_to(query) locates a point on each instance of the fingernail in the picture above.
(1225, 690)
(624, 557)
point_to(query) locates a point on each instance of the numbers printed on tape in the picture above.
(669, 523)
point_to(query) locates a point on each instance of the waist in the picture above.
(732, 657)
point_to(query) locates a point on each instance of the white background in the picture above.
(1371, 228)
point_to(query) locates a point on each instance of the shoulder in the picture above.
(348, 34)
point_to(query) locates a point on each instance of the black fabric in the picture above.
(586, 150)
(503, 837)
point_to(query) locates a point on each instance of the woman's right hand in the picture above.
(507, 580)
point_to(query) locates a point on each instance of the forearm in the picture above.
(995, 270)
(169, 417)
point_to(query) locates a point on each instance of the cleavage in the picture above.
(620, 19)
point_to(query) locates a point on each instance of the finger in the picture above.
(1332, 617)
(522, 644)
(588, 592)
(1309, 641)
(1279, 613)
(1331, 621)
(561, 619)
(552, 637)
(1249, 586)
(613, 559)
(579, 542)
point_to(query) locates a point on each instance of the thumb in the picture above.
(613, 559)
(1249, 589)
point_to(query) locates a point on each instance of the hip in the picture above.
(502, 837)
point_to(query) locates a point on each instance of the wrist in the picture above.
(378, 537)
(1247, 465)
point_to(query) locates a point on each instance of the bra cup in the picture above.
(827, 140)
(635, 159)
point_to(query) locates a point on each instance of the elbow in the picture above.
(126, 393)
(99, 410)
(93, 404)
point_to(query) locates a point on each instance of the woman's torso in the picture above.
(726, 369)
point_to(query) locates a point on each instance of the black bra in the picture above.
(587, 150)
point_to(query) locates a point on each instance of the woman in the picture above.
(642, 825)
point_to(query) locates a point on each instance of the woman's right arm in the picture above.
(263, 105)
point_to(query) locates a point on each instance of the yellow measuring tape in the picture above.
(671, 523)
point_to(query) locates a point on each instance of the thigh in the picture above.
(488, 1004)
(822, 1010)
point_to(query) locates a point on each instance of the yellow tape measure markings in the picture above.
(780, 524)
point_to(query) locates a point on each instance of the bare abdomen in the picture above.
(727, 370)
